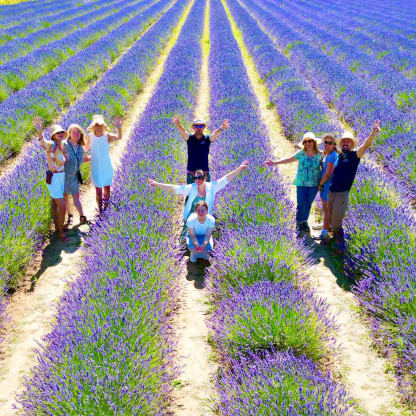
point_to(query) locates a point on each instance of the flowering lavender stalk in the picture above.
(276, 383)
(54, 92)
(24, 215)
(110, 351)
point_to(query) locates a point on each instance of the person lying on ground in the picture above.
(200, 190)
(101, 168)
(198, 145)
(329, 161)
(55, 177)
(200, 226)
(307, 177)
(343, 178)
(74, 156)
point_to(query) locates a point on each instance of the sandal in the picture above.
(83, 220)
(70, 219)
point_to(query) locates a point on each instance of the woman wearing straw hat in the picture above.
(343, 178)
(307, 177)
(74, 156)
(101, 168)
(56, 175)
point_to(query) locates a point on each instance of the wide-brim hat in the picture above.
(347, 135)
(97, 119)
(199, 120)
(56, 128)
(309, 135)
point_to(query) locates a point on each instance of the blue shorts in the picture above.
(200, 239)
(324, 193)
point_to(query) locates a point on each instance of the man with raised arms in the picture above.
(198, 145)
(343, 178)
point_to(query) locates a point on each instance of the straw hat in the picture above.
(199, 121)
(56, 128)
(97, 119)
(347, 135)
(309, 135)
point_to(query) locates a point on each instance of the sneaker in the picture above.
(192, 257)
(305, 227)
(204, 256)
(317, 226)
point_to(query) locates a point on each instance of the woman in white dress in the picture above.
(101, 168)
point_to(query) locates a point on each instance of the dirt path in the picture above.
(361, 369)
(195, 389)
(32, 306)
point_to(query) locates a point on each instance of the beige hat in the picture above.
(309, 135)
(56, 128)
(199, 121)
(97, 119)
(347, 135)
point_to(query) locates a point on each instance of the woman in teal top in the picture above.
(307, 177)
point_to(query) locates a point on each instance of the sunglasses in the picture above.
(199, 126)
(326, 142)
(307, 141)
(196, 178)
(59, 132)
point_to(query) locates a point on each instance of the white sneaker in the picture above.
(192, 257)
(317, 226)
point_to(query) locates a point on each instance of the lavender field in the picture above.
(276, 334)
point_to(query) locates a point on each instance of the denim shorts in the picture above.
(200, 239)
(324, 192)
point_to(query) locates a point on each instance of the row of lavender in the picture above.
(24, 210)
(110, 351)
(268, 329)
(41, 22)
(52, 93)
(376, 218)
(355, 101)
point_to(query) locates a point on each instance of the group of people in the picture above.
(65, 152)
(330, 172)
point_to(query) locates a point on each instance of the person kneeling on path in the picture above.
(200, 226)
(200, 190)
(198, 146)
(342, 180)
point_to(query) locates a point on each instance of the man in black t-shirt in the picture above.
(198, 145)
(343, 178)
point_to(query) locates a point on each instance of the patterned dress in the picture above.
(73, 159)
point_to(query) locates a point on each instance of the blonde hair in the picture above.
(315, 145)
(81, 140)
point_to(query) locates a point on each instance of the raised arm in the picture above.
(230, 176)
(362, 149)
(216, 133)
(270, 162)
(181, 129)
(37, 122)
(87, 143)
(118, 122)
(164, 186)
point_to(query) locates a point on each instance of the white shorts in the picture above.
(56, 188)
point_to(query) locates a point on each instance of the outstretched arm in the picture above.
(164, 186)
(362, 149)
(230, 176)
(118, 122)
(216, 133)
(181, 129)
(270, 162)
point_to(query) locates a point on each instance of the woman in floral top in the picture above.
(307, 177)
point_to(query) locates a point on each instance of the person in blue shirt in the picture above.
(329, 161)
(198, 145)
(343, 178)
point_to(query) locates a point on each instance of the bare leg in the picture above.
(99, 199)
(106, 196)
(327, 223)
(61, 209)
(77, 204)
(54, 213)
(68, 204)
